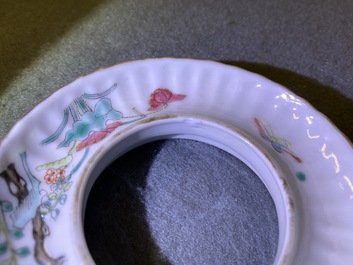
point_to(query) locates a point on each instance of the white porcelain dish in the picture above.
(50, 159)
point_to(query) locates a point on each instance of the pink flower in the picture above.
(52, 176)
(161, 97)
(50, 172)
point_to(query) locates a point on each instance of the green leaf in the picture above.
(46, 205)
(56, 186)
(23, 252)
(53, 196)
(17, 234)
(3, 248)
(6, 206)
(301, 176)
(55, 213)
(62, 199)
(66, 186)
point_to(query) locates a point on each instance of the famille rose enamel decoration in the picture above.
(51, 158)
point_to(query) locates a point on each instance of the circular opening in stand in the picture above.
(212, 133)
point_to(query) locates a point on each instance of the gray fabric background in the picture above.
(180, 216)
(180, 202)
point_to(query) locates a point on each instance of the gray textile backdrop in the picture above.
(179, 201)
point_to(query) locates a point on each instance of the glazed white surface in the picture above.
(226, 94)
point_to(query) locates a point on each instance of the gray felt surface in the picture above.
(179, 217)
(192, 204)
